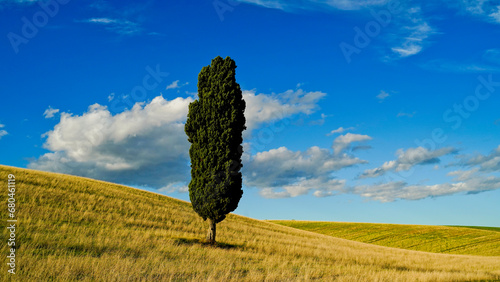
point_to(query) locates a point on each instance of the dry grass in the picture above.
(484, 241)
(73, 228)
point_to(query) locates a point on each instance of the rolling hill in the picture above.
(74, 228)
(484, 241)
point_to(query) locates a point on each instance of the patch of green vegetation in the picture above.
(497, 229)
(465, 240)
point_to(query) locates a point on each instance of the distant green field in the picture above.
(497, 229)
(466, 240)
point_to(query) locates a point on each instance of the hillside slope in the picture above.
(73, 228)
(438, 239)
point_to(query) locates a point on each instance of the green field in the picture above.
(467, 240)
(497, 229)
(71, 228)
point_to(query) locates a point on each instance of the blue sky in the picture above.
(363, 111)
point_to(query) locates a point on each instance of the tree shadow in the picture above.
(204, 243)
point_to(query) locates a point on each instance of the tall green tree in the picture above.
(214, 128)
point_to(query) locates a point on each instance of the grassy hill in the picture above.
(73, 228)
(471, 240)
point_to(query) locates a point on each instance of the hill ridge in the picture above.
(76, 229)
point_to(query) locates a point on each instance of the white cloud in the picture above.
(471, 181)
(410, 31)
(414, 36)
(317, 4)
(403, 114)
(120, 26)
(408, 159)
(491, 58)
(465, 182)
(321, 187)
(146, 145)
(50, 112)
(487, 10)
(272, 4)
(496, 15)
(111, 97)
(488, 163)
(175, 85)
(344, 141)
(354, 5)
(284, 173)
(463, 175)
(382, 95)
(2, 132)
(142, 146)
(263, 108)
(339, 130)
(474, 6)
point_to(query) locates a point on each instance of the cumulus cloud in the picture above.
(408, 159)
(50, 112)
(264, 108)
(339, 130)
(344, 141)
(284, 173)
(145, 145)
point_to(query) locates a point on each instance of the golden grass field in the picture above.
(73, 228)
(437, 239)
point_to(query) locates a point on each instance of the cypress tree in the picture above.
(214, 128)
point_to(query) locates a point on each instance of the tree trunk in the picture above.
(211, 231)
